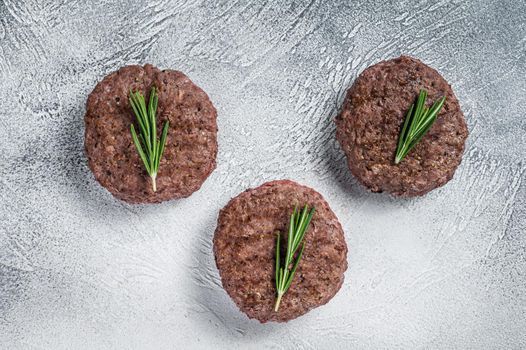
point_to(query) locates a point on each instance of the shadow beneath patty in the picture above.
(335, 165)
(81, 186)
(213, 310)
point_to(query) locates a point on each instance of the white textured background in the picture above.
(81, 270)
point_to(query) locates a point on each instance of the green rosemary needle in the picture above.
(150, 149)
(284, 274)
(417, 123)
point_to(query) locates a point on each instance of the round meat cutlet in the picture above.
(369, 125)
(191, 146)
(245, 247)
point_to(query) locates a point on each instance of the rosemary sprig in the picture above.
(284, 274)
(417, 124)
(150, 149)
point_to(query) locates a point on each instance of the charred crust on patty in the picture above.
(369, 125)
(191, 147)
(244, 249)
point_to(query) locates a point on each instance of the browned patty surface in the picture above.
(372, 116)
(191, 147)
(245, 243)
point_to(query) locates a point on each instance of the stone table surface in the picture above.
(82, 270)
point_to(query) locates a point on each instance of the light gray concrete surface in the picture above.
(81, 270)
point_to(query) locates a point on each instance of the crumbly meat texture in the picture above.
(372, 116)
(245, 243)
(191, 147)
